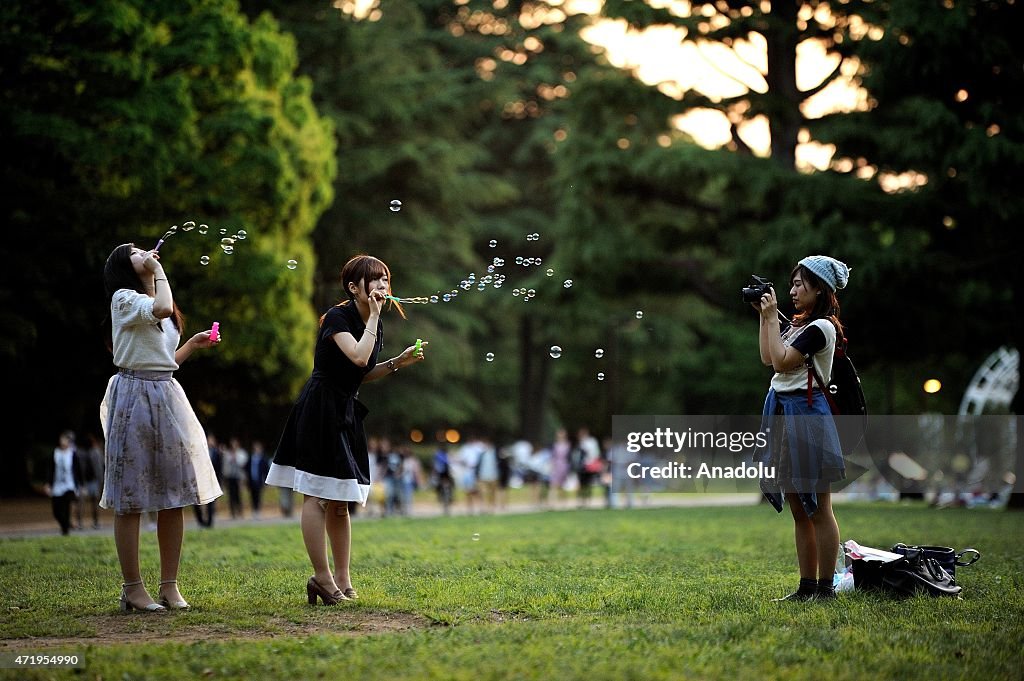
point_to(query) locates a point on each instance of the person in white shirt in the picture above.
(63, 480)
(803, 450)
(157, 459)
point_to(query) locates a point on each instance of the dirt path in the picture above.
(124, 628)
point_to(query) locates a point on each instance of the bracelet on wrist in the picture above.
(390, 364)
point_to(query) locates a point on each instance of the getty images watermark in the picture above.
(976, 455)
(688, 442)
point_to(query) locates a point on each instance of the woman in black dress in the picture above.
(322, 452)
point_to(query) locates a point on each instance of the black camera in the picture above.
(759, 287)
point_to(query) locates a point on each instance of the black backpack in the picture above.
(843, 392)
(844, 395)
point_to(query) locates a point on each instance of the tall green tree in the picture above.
(532, 55)
(120, 119)
(781, 27)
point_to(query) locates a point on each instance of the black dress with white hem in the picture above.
(322, 451)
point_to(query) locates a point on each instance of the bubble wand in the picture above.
(168, 233)
(421, 300)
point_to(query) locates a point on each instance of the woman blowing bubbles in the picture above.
(804, 446)
(156, 453)
(322, 452)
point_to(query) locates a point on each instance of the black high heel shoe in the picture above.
(313, 589)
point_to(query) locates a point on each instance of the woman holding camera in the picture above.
(803, 445)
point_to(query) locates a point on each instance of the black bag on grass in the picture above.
(907, 576)
(945, 556)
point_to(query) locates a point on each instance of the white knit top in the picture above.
(141, 341)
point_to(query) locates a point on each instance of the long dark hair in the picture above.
(119, 273)
(365, 268)
(826, 304)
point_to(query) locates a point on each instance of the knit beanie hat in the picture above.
(835, 274)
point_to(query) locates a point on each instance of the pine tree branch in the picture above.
(741, 146)
(725, 73)
(807, 94)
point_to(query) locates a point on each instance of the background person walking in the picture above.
(63, 479)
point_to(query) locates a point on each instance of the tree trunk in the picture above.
(534, 376)
(784, 117)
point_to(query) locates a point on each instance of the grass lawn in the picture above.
(642, 594)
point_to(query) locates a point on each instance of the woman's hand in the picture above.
(376, 301)
(411, 355)
(202, 339)
(151, 262)
(769, 305)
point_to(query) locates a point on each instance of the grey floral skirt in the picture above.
(156, 452)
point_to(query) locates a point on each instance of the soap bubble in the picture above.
(188, 226)
(396, 206)
(434, 299)
(223, 231)
(519, 260)
(494, 243)
(292, 264)
(555, 352)
(481, 286)
(228, 250)
(550, 272)
(476, 536)
(446, 297)
(532, 292)
(515, 292)
(639, 314)
(227, 241)
(600, 376)
(567, 283)
(241, 234)
(204, 261)
(599, 353)
(203, 229)
(490, 357)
